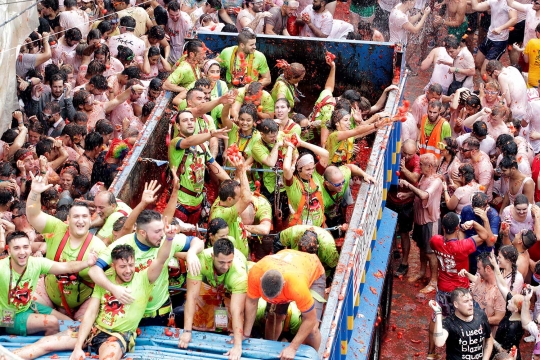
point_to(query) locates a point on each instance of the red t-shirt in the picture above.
(413, 165)
(535, 168)
(453, 255)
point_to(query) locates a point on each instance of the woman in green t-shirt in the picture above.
(341, 139)
(212, 71)
(282, 110)
(286, 84)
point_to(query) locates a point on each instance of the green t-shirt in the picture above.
(22, 294)
(114, 316)
(259, 65)
(327, 247)
(193, 173)
(325, 113)
(263, 209)
(282, 90)
(106, 231)
(217, 91)
(235, 280)
(292, 321)
(245, 144)
(232, 218)
(313, 210)
(261, 151)
(267, 102)
(183, 75)
(204, 124)
(332, 202)
(340, 151)
(143, 259)
(75, 292)
(446, 131)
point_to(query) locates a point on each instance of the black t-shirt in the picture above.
(466, 339)
(53, 22)
(102, 171)
(509, 333)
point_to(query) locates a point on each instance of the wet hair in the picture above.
(146, 217)
(365, 26)
(79, 98)
(156, 32)
(93, 34)
(343, 104)
(435, 88)
(493, 65)
(20, 206)
(189, 94)
(50, 4)
(480, 128)
(479, 200)
(147, 108)
(510, 148)
(529, 238)
(484, 259)
(364, 104)
(309, 242)
(450, 222)
(96, 67)
(352, 95)
(214, 226)
(6, 169)
(246, 35)
(153, 51)
(521, 199)
(508, 162)
(50, 70)
(104, 127)
(294, 71)
(230, 28)
(73, 130)
(104, 26)
(119, 223)
(122, 252)
(249, 109)
(16, 235)
(192, 46)
(70, 3)
(81, 183)
(128, 22)
(73, 34)
(156, 85)
(132, 72)
(111, 199)
(92, 140)
(161, 15)
(80, 117)
(203, 83)
(125, 54)
(493, 84)
(467, 170)
(268, 126)
(173, 6)
(510, 253)
(53, 107)
(223, 246)
(44, 146)
(298, 118)
(103, 50)
(474, 101)
(451, 42)
(452, 146)
(272, 283)
(503, 139)
(9, 136)
(62, 212)
(283, 100)
(48, 195)
(226, 189)
(502, 110)
(472, 143)
(435, 104)
(5, 196)
(337, 116)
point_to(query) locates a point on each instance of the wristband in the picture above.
(457, 70)
(187, 331)
(171, 239)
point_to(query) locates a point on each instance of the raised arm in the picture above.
(517, 6)
(382, 100)
(163, 254)
(331, 80)
(317, 150)
(148, 197)
(439, 334)
(479, 7)
(468, 122)
(123, 96)
(245, 191)
(501, 283)
(36, 217)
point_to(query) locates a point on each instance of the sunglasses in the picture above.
(47, 116)
(336, 185)
(491, 92)
(464, 150)
(304, 128)
(16, 216)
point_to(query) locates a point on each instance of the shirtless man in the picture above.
(455, 21)
(513, 89)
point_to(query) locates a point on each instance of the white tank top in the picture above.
(440, 71)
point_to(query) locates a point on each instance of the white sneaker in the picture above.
(529, 339)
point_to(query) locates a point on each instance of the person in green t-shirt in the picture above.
(268, 153)
(337, 192)
(223, 276)
(282, 110)
(19, 274)
(108, 210)
(303, 183)
(254, 94)
(187, 71)
(233, 199)
(324, 106)
(190, 157)
(109, 326)
(286, 85)
(293, 236)
(68, 292)
(257, 217)
(244, 63)
(147, 241)
(341, 139)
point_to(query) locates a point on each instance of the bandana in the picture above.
(208, 64)
(304, 160)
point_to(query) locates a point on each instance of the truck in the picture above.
(358, 308)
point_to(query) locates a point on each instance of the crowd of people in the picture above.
(268, 184)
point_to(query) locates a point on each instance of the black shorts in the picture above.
(492, 50)
(517, 35)
(423, 233)
(405, 215)
(473, 22)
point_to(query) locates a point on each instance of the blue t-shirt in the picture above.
(494, 222)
